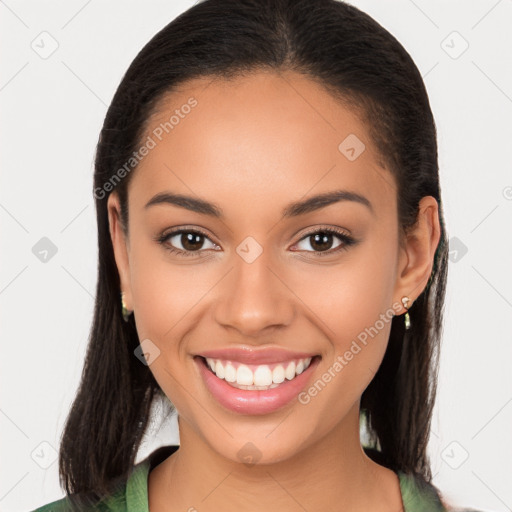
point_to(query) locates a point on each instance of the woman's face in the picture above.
(263, 274)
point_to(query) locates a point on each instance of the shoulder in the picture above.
(126, 496)
(113, 503)
(55, 506)
(418, 495)
(130, 495)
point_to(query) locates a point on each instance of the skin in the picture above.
(253, 145)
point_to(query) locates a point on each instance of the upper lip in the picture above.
(255, 356)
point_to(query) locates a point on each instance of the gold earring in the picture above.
(407, 318)
(126, 312)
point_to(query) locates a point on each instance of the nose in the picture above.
(254, 298)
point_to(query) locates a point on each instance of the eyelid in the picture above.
(322, 228)
(187, 229)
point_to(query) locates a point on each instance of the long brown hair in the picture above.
(353, 56)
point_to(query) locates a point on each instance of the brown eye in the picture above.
(322, 240)
(185, 242)
(191, 241)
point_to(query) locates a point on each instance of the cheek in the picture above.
(361, 325)
(164, 296)
(165, 293)
(348, 298)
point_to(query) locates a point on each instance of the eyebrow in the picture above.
(294, 209)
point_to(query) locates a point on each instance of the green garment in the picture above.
(417, 495)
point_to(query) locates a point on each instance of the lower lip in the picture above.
(252, 401)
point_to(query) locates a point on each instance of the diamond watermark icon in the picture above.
(249, 249)
(147, 352)
(45, 45)
(44, 250)
(455, 455)
(457, 249)
(44, 454)
(249, 454)
(351, 147)
(454, 45)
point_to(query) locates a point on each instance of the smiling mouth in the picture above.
(257, 377)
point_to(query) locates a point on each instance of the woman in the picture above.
(273, 261)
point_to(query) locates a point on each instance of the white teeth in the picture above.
(243, 375)
(290, 371)
(278, 374)
(262, 378)
(219, 370)
(230, 373)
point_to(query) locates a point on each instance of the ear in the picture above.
(417, 254)
(120, 243)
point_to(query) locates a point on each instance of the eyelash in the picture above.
(347, 241)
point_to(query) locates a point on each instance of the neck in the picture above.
(334, 470)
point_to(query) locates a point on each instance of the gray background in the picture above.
(52, 108)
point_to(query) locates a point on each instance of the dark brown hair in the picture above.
(360, 62)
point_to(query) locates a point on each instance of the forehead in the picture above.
(234, 141)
